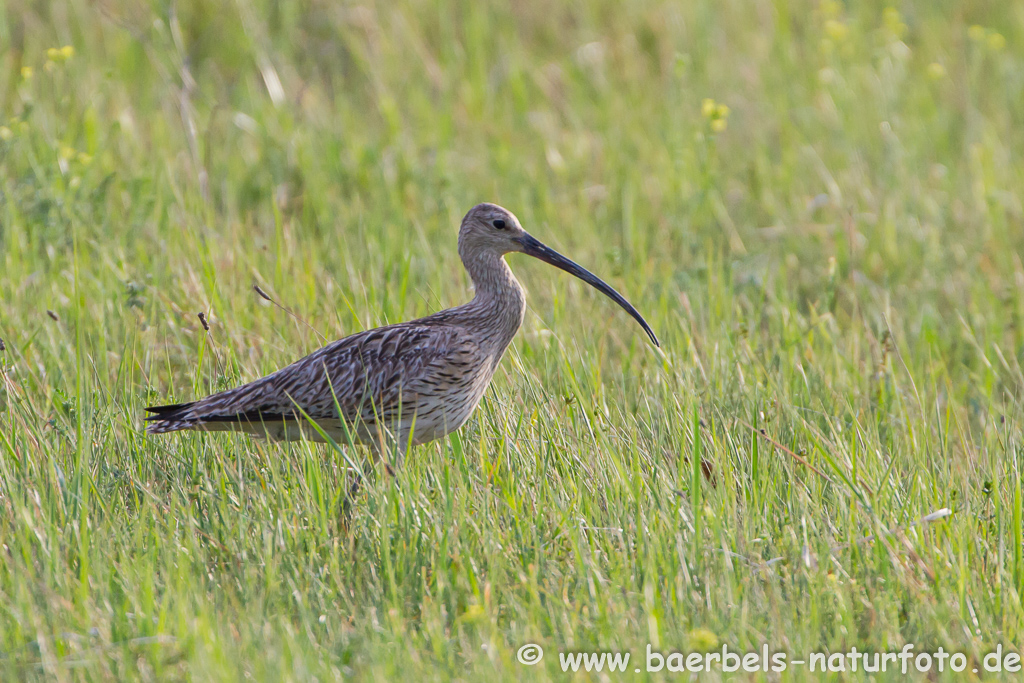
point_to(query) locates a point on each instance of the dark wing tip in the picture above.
(169, 408)
(167, 412)
(253, 416)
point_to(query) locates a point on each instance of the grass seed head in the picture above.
(262, 293)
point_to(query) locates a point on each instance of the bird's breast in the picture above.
(443, 408)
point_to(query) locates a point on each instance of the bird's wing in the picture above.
(366, 377)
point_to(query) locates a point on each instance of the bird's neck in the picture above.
(499, 302)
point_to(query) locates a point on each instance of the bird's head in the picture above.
(492, 229)
(489, 230)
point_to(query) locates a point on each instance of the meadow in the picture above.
(816, 205)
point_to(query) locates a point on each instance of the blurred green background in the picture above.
(816, 205)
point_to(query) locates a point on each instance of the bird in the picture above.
(399, 385)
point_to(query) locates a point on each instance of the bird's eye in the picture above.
(499, 224)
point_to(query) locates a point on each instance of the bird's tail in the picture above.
(172, 418)
(243, 408)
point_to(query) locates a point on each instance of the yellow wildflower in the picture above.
(996, 42)
(26, 72)
(6, 133)
(702, 640)
(59, 55)
(715, 113)
(836, 30)
(936, 71)
(894, 22)
(976, 33)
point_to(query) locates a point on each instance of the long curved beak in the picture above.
(535, 248)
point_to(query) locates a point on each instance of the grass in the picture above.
(832, 264)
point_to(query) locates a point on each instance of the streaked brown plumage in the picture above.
(402, 384)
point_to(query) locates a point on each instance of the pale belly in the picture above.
(437, 418)
(440, 410)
